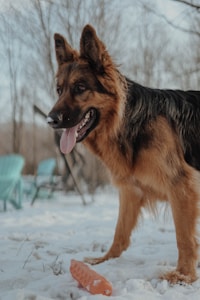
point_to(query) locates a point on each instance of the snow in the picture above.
(37, 244)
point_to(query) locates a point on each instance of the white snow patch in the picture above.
(37, 244)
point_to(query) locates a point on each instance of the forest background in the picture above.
(155, 43)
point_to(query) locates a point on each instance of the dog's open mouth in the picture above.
(71, 136)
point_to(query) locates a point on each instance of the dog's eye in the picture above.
(59, 90)
(79, 88)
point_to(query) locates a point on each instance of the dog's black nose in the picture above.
(54, 119)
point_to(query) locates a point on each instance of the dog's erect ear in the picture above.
(92, 48)
(64, 52)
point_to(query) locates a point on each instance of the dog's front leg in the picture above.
(129, 210)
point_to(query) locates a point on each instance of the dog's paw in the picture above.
(94, 261)
(175, 277)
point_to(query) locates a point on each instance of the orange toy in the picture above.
(89, 279)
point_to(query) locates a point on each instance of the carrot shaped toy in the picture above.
(89, 279)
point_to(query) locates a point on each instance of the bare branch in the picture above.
(183, 29)
(196, 6)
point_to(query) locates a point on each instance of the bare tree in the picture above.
(15, 97)
(191, 74)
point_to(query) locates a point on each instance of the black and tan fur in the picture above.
(148, 138)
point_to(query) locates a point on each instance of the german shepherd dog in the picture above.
(148, 138)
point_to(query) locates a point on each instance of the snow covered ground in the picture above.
(37, 244)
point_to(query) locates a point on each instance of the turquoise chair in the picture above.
(11, 166)
(44, 179)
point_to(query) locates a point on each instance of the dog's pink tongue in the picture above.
(68, 140)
